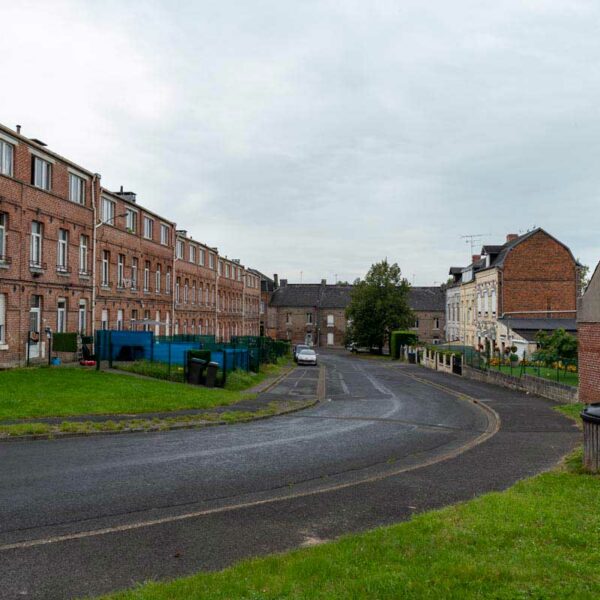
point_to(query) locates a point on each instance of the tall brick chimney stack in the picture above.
(511, 237)
(276, 280)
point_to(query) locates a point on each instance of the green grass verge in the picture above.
(44, 392)
(537, 540)
(563, 376)
(157, 370)
(242, 380)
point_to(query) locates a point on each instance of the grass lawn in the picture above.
(42, 392)
(546, 373)
(539, 539)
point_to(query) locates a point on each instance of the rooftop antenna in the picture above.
(300, 276)
(474, 239)
(336, 277)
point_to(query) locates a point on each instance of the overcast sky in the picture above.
(321, 136)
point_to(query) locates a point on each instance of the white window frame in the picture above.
(76, 189)
(330, 320)
(7, 158)
(211, 261)
(134, 272)
(83, 254)
(37, 230)
(3, 227)
(164, 234)
(148, 227)
(146, 276)
(202, 257)
(131, 220)
(119, 319)
(309, 318)
(104, 319)
(82, 317)
(105, 272)
(42, 173)
(157, 276)
(168, 281)
(62, 253)
(108, 211)
(192, 253)
(61, 315)
(120, 270)
(179, 249)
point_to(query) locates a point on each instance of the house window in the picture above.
(262, 307)
(164, 234)
(157, 279)
(179, 249)
(227, 271)
(63, 244)
(108, 211)
(105, 268)
(146, 319)
(81, 317)
(309, 318)
(147, 276)
(131, 220)
(220, 267)
(177, 284)
(186, 291)
(42, 173)
(436, 323)
(330, 321)
(120, 319)
(76, 189)
(3, 223)
(192, 254)
(148, 227)
(134, 318)
(6, 158)
(2, 318)
(194, 293)
(104, 319)
(36, 244)
(83, 254)
(120, 271)
(134, 273)
(61, 315)
(168, 281)
(202, 257)
(416, 325)
(211, 260)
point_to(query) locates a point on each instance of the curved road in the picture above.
(88, 515)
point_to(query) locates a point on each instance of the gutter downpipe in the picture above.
(95, 178)
(173, 281)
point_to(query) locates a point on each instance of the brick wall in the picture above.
(539, 274)
(589, 362)
(431, 326)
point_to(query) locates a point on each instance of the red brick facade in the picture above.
(55, 218)
(539, 274)
(589, 362)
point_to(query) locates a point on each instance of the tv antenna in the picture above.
(474, 239)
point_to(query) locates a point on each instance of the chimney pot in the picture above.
(18, 129)
(276, 280)
(511, 237)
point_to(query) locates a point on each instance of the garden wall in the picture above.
(527, 383)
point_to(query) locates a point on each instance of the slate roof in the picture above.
(427, 299)
(528, 328)
(297, 295)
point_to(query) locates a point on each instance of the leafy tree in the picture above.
(555, 346)
(378, 306)
(583, 272)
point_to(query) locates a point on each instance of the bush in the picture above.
(514, 358)
(401, 338)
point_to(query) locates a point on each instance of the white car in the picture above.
(307, 357)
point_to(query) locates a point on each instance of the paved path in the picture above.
(85, 516)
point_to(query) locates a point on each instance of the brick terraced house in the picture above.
(588, 330)
(75, 256)
(509, 292)
(315, 313)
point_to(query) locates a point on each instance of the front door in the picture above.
(308, 339)
(34, 328)
(330, 339)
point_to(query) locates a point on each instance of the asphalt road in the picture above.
(90, 515)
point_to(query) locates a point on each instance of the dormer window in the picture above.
(41, 173)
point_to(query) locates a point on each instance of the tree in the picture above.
(378, 306)
(556, 346)
(583, 272)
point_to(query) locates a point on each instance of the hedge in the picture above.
(64, 342)
(402, 338)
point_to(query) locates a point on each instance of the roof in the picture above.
(427, 298)
(539, 324)
(297, 294)
(455, 270)
(336, 296)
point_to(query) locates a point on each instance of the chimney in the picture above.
(18, 129)
(475, 257)
(323, 281)
(511, 237)
(130, 196)
(283, 282)
(276, 280)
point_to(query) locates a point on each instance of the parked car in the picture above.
(307, 357)
(298, 349)
(353, 347)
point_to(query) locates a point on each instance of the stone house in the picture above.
(588, 329)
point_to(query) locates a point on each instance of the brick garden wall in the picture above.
(589, 362)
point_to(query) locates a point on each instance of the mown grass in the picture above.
(558, 375)
(158, 370)
(36, 392)
(241, 380)
(538, 540)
